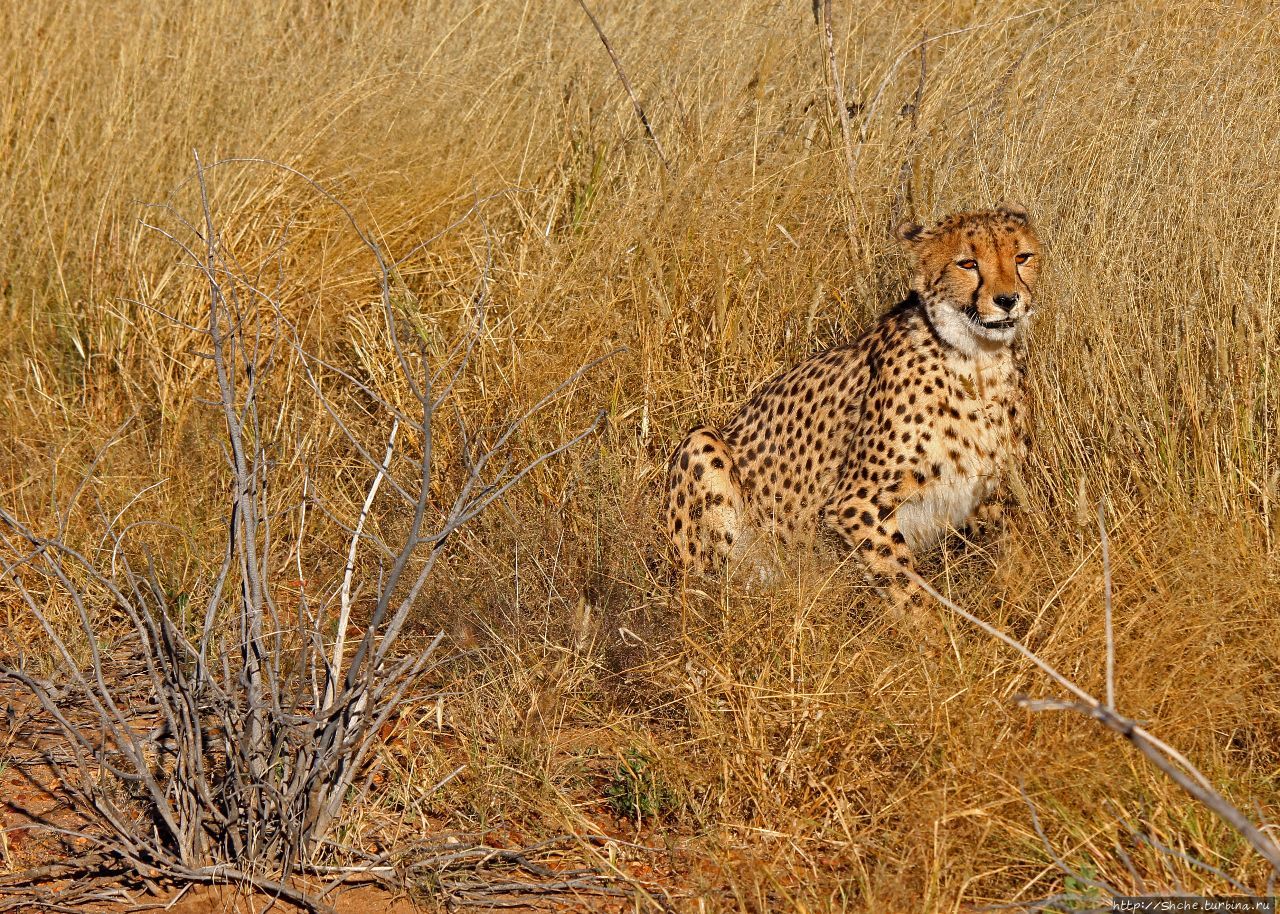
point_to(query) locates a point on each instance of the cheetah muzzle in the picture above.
(888, 442)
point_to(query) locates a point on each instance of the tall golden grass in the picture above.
(812, 759)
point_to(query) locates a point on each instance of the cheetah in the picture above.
(887, 442)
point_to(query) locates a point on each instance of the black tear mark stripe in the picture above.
(933, 331)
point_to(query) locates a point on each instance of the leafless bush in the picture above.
(259, 721)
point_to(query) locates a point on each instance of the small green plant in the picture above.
(1082, 889)
(635, 790)
(584, 194)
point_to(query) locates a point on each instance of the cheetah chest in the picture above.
(962, 465)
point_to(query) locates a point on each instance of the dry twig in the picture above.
(839, 104)
(1162, 755)
(626, 83)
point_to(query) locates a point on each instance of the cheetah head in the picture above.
(975, 273)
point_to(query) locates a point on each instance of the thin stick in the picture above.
(1053, 854)
(1106, 592)
(344, 614)
(626, 84)
(906, 171)
(835, 95)
(888, 76)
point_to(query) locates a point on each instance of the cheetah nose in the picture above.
(1006, 303)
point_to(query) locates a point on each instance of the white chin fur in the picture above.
(958, 330)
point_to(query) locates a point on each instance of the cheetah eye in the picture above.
(967, 264)
(1023, 257)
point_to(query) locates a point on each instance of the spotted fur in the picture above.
(889, 441)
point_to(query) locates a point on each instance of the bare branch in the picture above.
(1163, 756)
(868, 113)
(839, 108)
(626, 83)
(344, 616)
(1057, 859)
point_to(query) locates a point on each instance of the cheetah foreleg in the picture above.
(870, 529)
(988, 519)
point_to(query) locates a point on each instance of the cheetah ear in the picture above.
(909, 232)
(1014, 212)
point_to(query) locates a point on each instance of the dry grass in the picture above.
(810, 759)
